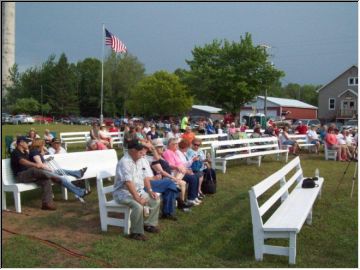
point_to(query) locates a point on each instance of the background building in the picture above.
(290, 109)
(338, 98)
(206, 112)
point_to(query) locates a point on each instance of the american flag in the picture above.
(116, 44)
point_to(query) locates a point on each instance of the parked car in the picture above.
(6, 118)
(22, 119)
(43, 119)
(351, 124)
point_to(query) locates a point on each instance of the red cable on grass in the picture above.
(59, 247)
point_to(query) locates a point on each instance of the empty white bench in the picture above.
(223, 151)
(74, 138)
(94, 160)
(288, 218)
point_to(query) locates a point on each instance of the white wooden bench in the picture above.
(329, 154)
(107, 206)
(74, 138)
(117, 137)
(301, 140)
(94, 160)
(223, 151)
(207, 139)
(288, 218)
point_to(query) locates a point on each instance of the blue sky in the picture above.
(311, 42)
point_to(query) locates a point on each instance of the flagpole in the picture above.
(102, 76)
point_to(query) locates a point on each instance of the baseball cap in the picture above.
(22, 138)
(135, 144)
(55, 140)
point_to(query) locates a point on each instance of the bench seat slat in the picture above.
(292, 213)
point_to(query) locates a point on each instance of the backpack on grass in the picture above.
(209, 183)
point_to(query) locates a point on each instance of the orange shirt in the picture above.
(188, 136)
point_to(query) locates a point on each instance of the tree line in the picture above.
(222, 74)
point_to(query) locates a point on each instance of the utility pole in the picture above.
(266, 47)
(42, 114)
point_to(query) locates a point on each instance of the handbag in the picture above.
(309, 183)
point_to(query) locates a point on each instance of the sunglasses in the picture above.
(196, 144)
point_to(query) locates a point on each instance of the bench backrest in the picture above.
(94, 160)
(282, 193)
(7, 174)
(102, 191)
(74, 137)
(117, 136)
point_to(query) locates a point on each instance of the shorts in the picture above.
(314, 141)
(288, 142)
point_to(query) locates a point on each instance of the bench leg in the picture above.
(64, 193)
(286, 157)
(259, 247)
(292, 248)
(309, 218)
(259, 161)
(17, 200)
(3, 194)
(224, 166)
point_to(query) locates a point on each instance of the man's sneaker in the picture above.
(82, 171)
(48, 206)
(151, 229)
(138, 236)
(201, 196)
(192, 202)
(198, 201)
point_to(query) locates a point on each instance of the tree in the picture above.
(14, 90)
(63, 90)
(229, 74)
(25, 105)
(159, 94)
(121, 74)
(89, 72)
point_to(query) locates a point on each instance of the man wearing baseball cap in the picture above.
(30, 172)
(133, 173)
(56, 147)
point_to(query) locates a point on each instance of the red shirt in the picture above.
(113, 129)
(302, 129)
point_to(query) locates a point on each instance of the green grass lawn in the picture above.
(217, 233)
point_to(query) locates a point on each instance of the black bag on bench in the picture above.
(309, 183)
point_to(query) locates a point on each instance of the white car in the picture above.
(22, 119)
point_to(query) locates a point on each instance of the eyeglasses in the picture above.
(196, 144)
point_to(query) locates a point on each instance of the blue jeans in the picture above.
(169, 192)
(193, 182)
(75, 173)
(70, 186)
